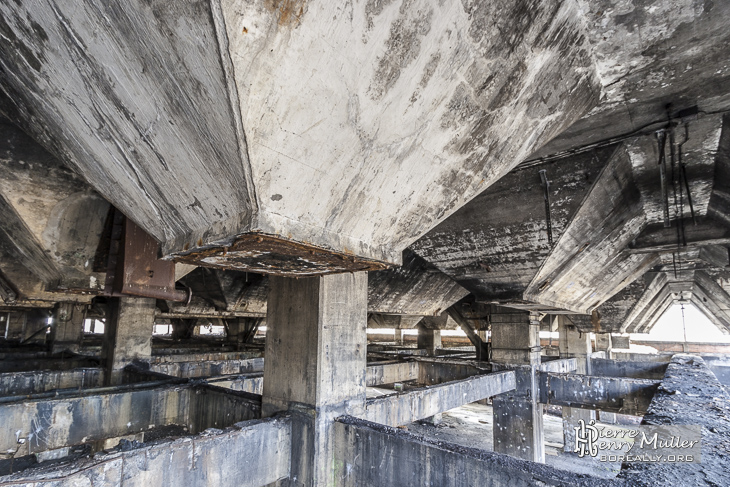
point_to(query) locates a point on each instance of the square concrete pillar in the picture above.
(398, 336)
(603, 343)
(68, 327)
(574, 344)
(316, 352)
(518, 422)
(127, 335)
(429, 339)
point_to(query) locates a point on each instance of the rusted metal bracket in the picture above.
(134, 268)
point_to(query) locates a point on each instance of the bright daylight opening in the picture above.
(671, 327)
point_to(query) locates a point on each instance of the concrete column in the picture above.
(429, 339)
(574, 344)
(68, 327)
(15, 326)
(128, 334)
(241, 330)
(398, 336)
(316, 348)
(518, 422)
(603, 343)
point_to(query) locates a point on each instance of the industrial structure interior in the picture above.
(360, 243)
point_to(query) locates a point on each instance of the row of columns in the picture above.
(316, 354)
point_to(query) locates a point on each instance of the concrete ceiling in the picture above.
(299, 139)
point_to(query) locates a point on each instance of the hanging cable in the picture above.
(684, 327)
(661, 136)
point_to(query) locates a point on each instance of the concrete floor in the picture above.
(471, 425)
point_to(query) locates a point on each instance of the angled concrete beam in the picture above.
(19, 242)
(481, 346)
(610, 394)
(651, 292)
(407, 407)
(712, 300)
(655, 312)
(415, 288)
(588, 264)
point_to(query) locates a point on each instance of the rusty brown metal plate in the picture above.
(139, 272)
(276, 256)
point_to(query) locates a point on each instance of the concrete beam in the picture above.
(249, 454)
(415, 288)
(209, 368)
(390, 373)
(562, 365)
(616, 395)
(627, 369)
(407, 407)
(31, 382)
(653, 295)
(712, 299)
(408, 460)
(588, 264)
(658, 238)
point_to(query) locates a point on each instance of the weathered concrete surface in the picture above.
(405, 459)
(217, 407)
(52, 220)
(48, 424)
(128, 334)
(643, 66)
(576, 344)
(316, 355)
(429, 339)
(44, 424)
(407, 407)
(390, 373)
(586, 266)
(415, 288)
(612, 394)
(437, 370)
(21, 383)
(249, 454)
(206, 368)
(518, 422)
(144, 90)
(689, 394)
(176, 158)
(563, 365)
(68, 327)
(495, 244)
(202, 356)
(253, 383)
(628, 369)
